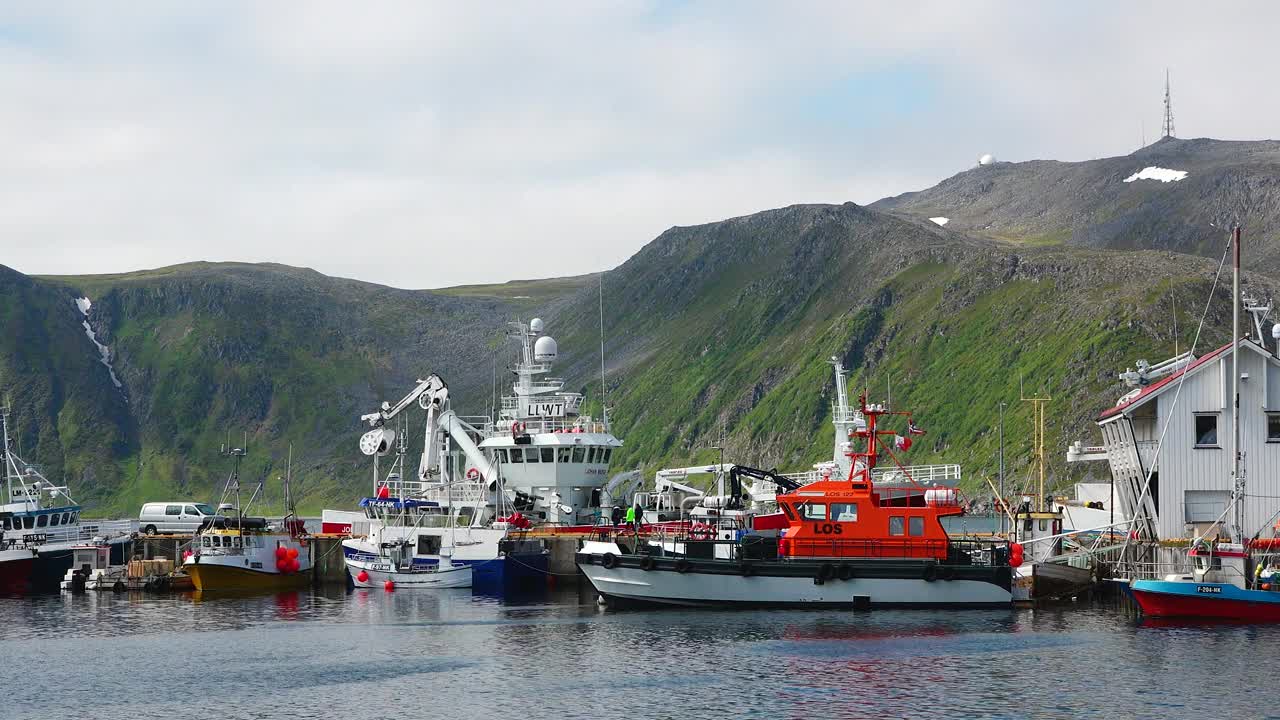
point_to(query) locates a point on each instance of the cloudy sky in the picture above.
(425, 145)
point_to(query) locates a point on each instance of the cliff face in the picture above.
(716, 335)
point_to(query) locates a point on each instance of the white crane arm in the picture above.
(448, 422)
(429, 393)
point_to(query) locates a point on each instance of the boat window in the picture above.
(1044, 525)
(548, 454)
(235, 542)
(4, 524)
(500, 455)
(1273, 427)
(55, 519)
(28, 522)
(915, 526)
(428, 544)
(75, 516)
(562, 454)
(844, 512)
(591, 454)
(578, 454)
(66, 518)
(517, 456)
(608, 453)
(190, 510)
(42, 521)
(897, 525)
(172, 509)
(815, 511)
(531, 455)
(1206, 430)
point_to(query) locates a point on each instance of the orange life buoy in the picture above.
(473, 474)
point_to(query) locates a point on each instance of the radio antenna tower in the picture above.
(1167, 129)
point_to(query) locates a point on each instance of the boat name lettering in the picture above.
(34, 538)
(828, 529)
(544, 409)
(1208, 589)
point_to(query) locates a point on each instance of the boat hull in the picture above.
(377, 574)
(16, 567)
(722, 583)
(206, 576)
(1217, 601)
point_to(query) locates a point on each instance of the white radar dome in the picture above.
(1275, 331)
(535, 325)
(545, 349)
(986, 159)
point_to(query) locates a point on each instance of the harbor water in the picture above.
(428, 654)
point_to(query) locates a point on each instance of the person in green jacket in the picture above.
(631, 516)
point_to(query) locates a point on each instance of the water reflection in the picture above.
(372, 654)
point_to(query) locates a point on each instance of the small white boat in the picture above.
(91, 569)
(394, 566)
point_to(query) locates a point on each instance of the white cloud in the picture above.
(424, 144)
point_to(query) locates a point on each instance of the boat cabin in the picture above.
(852, 517)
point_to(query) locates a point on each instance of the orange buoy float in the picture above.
(388, 586)
(363, 576)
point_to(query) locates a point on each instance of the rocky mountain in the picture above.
(716, 335)
(1112, 203)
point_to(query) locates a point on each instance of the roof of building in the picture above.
(1158, 386)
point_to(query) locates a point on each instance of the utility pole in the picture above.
(1002, 515)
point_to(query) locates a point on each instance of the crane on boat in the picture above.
(432, 395)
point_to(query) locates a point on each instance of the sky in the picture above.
(420, 144)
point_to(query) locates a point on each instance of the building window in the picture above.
(1206, 430)
(1273, 427)
(897, 525)
(915, 526)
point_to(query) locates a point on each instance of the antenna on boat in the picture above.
(1237, 476)
(604, 406)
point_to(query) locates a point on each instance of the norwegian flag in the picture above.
(914, 429)
(902, 443)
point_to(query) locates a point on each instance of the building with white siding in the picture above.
(1191, 479)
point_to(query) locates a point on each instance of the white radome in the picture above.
(545, 349)
(535, 325)
(987, 159)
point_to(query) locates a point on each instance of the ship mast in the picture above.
(1236, 476)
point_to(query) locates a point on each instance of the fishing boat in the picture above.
(1230, 579)
(540, 463)
(848, 541)
(92, 569)
(40, 526)
(235, 551)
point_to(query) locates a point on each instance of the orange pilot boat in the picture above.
(850, 541)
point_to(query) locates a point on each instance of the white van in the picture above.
(174, 517)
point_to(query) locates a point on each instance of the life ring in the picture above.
(930, 572)
(683, 566)
(646, 563)
(845, 571)
(609, 561)
(746, 568)
(826, 571)
(517, 428)
(473, 474)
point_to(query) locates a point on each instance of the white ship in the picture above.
(484, 480)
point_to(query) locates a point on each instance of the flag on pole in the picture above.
(913, 428)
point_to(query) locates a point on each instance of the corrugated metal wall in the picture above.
(1182, 466)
